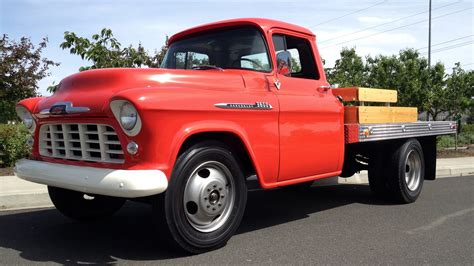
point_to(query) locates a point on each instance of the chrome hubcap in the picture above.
(413, 170)
(209, 196)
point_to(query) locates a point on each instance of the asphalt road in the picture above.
(325, 225)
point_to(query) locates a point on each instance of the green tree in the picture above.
(21, 67)
(349, 70)
(427, 88)
(158, 57)
(459, 92)
(434, 93)
(103, 50)
(409, 74)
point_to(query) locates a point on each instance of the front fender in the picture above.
(30, 103)
(171, 115)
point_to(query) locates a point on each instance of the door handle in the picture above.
(324, 88)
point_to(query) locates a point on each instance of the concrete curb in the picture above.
(452, 171)
(25, 201)
(16, 193)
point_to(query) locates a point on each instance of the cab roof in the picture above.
(263, 24)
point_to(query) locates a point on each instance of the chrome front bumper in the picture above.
(99, 181)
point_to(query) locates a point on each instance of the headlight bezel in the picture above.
(117, 106)
(26, 117)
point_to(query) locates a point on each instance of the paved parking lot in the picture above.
(338, 225)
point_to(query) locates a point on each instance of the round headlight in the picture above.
(128, 116)
(28, 121)
(26, 117)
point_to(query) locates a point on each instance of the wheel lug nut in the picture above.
(213, 209)
(220, 204)
(214, 186)
(208, 206)
(220, 188)
(222, 196)
(208, 190)
(205, 198)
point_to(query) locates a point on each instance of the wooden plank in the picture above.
(379, 114)
(383, 114)
(377, 95)
(362, 94)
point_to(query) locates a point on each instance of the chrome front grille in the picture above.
(81, 142)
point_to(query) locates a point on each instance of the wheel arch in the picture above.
(231, 138)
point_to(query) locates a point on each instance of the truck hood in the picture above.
(94, 88)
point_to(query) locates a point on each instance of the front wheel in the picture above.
(83, 207)
(205, 199)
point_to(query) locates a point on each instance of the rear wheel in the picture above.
(399, 175)
(83, 207)
(408, 172)
(205, 199)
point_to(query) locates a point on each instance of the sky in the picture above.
(371, 26)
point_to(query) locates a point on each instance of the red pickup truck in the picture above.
(233, 100)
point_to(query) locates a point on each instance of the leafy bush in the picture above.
(465, 138)
(445, 142)
(13, 143)
(467, 129)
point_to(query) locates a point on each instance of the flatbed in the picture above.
(388, 131)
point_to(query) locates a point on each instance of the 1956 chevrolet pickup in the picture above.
(233, 100)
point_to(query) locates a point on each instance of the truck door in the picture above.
(311, 118)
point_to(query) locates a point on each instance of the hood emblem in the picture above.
(62, 108)
(252, 106)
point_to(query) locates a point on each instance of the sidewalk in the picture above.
(16, 193)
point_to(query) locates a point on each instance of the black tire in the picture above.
(83, 207)
(407, 160)
(184, 231)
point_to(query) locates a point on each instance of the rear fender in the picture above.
(428, 145)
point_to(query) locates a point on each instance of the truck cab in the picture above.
(232, 100)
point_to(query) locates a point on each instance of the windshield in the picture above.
(235, 48)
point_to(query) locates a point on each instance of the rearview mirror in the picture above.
(284, 63)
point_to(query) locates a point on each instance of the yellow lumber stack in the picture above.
(374, 114)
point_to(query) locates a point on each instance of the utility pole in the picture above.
(429, 51)
(429, 38)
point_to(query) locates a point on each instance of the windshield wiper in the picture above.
(207, 67)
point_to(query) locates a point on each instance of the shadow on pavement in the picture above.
(46, 236)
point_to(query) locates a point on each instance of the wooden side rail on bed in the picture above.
(361, 114)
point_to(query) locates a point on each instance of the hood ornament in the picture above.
(62, 108)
